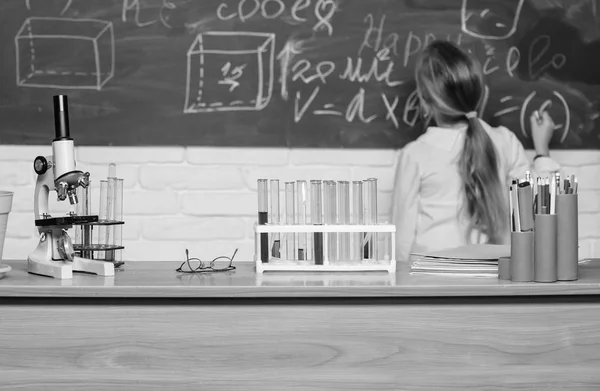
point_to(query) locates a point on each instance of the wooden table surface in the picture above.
(150, 328)
(160, 280)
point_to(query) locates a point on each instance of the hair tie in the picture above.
(471, 114)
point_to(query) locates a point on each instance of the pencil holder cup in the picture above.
(545, 248)
(504, 268)
(6, 198)
(567, 243)
(521, 256)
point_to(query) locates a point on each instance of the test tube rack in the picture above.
(87, 248)
(387, 264)
(109, 221)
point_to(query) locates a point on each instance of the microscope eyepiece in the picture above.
(61, 117)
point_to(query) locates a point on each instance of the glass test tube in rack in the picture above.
(339, 231)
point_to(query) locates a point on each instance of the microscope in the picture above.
(55, 254)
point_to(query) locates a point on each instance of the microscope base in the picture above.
(93, 266)
(42, 260)
(56, 269)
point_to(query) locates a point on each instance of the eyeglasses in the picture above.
(195, 265)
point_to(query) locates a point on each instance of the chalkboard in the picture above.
(286, 73)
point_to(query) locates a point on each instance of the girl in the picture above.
(451, 185)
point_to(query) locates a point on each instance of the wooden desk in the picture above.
(150, 328)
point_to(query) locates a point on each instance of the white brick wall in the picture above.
(204, 199)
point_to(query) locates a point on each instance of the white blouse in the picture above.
(428, 191)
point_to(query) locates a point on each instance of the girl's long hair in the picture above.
(450, 83)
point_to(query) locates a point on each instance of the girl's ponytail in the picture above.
(484, 192)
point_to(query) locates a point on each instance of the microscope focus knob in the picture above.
(40, 165)
(84, 180)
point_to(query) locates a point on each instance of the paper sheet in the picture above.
(471, 252)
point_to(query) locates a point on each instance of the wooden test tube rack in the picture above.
(388, 265)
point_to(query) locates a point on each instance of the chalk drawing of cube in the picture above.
(229, 71)
(65, 53)
(498, 25)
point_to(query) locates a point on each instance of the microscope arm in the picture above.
(42, 191)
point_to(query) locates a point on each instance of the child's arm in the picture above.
(405, 204)
(519, 163)
(542, 128)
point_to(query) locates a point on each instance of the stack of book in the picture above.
(473, 260)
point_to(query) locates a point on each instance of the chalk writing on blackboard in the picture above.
(411, 110)
(472, 17)
(231, 74)
(356, 108)
(135, 7)
(299, 61)
(489, 65)
(355, 72)
(512, 60)
(538, 48)
(300, 109)
(374, 39)
(39, 66)
(390, 108)
(507, 110)
(322, 70)
(252, 64)
(285, 59)
(323, 10)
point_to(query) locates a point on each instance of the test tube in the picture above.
(83, 205)
(387, 238)
(110, 210)
(263, 218)
(344, 219)
(276, 237)
(330, 216)
(316, 210)
(290, 242)
(83, 232)
(110, 215)
(356, 252)
(118, 215)
(372, 209)
(301, 217)
(367, 219)
(102, 217)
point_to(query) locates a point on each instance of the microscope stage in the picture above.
(65, 221)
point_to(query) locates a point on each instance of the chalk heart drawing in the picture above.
(64, 53)
(473, 16)
(229, 71)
